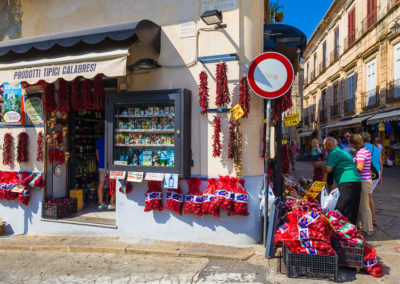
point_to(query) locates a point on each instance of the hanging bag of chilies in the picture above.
(208, 208)
(193, 200)
(240, 203)
(175, 200)
(153, 197)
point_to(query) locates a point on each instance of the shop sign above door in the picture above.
(221, 5)
(270, 75)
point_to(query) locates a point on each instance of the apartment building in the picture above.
(352, 71)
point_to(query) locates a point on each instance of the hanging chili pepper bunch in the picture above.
(244, 96)
(216, 137)
(76, 99)
(50, 100)
(175, 200)
(63, 96)
(203, 92)
(1, 103)
(281, 105)
(23, 197)
(87, 95)
(98, 93)
(285, 159)
(240, 203)
(208, 208)
(22, 147)
(237, 161)
(39, 149)
(56, 156)
(193, 200)
(113, 186)
(223, 96)
(232, 139)
(153, 196)
(7, 149)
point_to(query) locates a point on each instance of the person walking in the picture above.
(377, 162)
(363, 163)
(346, 142)
(293, 154)
(347, 178)
(316, 158)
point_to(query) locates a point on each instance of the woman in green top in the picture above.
(347, 177)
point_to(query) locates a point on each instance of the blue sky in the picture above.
(304, 15)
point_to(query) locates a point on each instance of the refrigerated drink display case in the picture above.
(149, 132)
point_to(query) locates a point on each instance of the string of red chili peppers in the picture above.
(76, 94)
(63, 96)
(50, 100)
(7, 149)
(216, 137)
(203, 92)
(223, 96)
(232, 139)
(281, 105)
(244, 96)
(40, 143)
(98, 93)
(87, 94)
(22, 147)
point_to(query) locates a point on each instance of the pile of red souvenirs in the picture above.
(308, 230)
(227, 194)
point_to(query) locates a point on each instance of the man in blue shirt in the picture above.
(377, 162)
(100, 153)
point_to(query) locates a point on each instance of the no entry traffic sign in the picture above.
(270, 75)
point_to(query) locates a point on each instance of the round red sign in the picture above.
(270, 75)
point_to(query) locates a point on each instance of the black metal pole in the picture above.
(278, 158)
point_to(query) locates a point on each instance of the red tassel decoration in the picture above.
(244, 96)
(63, 96)
(40, 143)
(22, 147)
(98, 93)
(7, 149)
(216, 137)
(232, 139)
(50, 100)
(76, 99)
(203, 92)
(281, 105)
(223, 96)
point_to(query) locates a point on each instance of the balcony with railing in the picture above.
(393, 93)
(322, 115)
(349, 105)
(334, 54)
(349, 40)
(368, 21)
(334, 110)
(370, 99)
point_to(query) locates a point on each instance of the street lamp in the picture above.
(213, 17)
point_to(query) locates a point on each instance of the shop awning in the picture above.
(356, 121)
(101, 50)
(306, 133)
(384, 117)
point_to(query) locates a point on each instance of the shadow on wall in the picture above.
(11, 19)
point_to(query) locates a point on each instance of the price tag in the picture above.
(171, 181)
(291, 120)
(117, 174)
(315, 189)
(135, 176)
(154, 176)
(237, 112)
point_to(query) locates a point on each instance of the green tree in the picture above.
(275, 11)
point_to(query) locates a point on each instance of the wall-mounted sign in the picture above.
(117, 175)
(291, 120)
(33, 107)
(135, 176)
(187, 29)
(221, 5)
(237, 112)
(171, 181)
(154, 176)
(270, 75)
(11, 105)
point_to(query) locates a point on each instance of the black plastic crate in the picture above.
(59, 210)
(310, 265)
(350, 255)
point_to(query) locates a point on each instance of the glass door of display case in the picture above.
(149, 131)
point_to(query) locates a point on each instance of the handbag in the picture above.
(374, 172)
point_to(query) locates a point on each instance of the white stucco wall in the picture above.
(243, 35)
